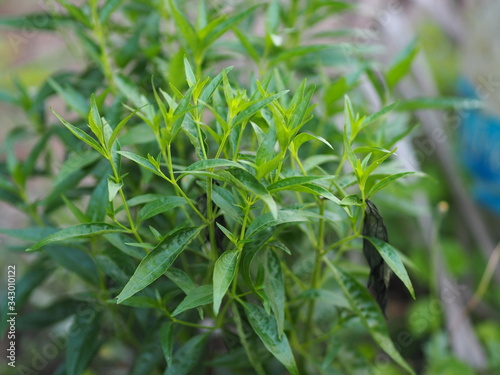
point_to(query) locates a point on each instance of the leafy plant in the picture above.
(210, 214)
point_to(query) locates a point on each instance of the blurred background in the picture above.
(453, 229)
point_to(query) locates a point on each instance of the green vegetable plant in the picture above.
(210, 203)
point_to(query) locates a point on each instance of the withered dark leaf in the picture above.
(373, 226)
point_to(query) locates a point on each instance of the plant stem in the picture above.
(317, 268)
(133, 228)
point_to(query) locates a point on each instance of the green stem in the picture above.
(133, 228)
(317, 268)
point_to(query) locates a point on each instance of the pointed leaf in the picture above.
(200, 296)
(265, 327)
(159, 206)
(141, 161)
(275, 289)
(82, 230)
(255, 107)
(224, 271)
(158, 261)
(392, 259)
(386, 181)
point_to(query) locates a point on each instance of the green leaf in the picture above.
(255, 107)
(96, 209)
(265, 327)
(291, 53)
(268, 220)
(186, 358)
(95, 121)
(113, 188)
(275, 289)
(386, 181)
(439, 103)
(108, 8)
(224, 271)
(223, 25)
(76, 261)
(199, 296)
(301, 138)
(33, 21)
(265, 152)
(79, 15)
(368, 311)
(72, 98)
(272, 19)
(286, 183)
(81, 230)
(142, 161)
(33, 234)
(167, 341)
(224, 199)
(158, 261)
(402, 64)
(211, 164)
(213, 85)
(159, 206)
(82, 341)
(351, 200)
(118, 128)
(252, 52)
(75, 162)
(188, 71)
(181, 279)
(80, 134)
(368, 120)
(392, 259)
(185, 28)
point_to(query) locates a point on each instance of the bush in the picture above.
(211, 213)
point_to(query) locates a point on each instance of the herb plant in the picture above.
(208, 215)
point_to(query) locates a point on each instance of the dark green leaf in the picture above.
(265, 327)
(159, 206)
(158, 261)
(275, 289)
(82, 341)
(82, 230)
(224, 271)
(186, 358)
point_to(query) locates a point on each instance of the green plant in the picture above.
(222, 208)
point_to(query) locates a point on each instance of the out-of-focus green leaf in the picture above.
(401, 64)
(83, 341)
(188, 355)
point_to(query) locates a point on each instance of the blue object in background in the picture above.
(480, 151)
